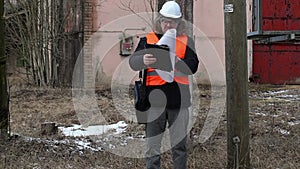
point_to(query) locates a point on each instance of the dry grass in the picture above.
(269, 149)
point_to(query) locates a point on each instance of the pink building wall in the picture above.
(208, 17)
(208, 34)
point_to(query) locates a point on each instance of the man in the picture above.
(169, 100)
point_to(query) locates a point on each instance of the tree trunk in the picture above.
(4, 111)
(187, 12)
(160, 4)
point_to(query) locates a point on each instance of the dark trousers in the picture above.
(177, 120)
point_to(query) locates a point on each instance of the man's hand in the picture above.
(149, 59)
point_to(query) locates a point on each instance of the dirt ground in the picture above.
(274, 132)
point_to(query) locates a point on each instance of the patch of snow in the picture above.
(78, 130)
(293, 123)
(261, 114)
(275, 92)
(275, 115)
(282, 131)
(282, 94)
(83, 144)
(289, 97)
(112, 146)
(80, 144)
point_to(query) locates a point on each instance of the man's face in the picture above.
(168, 23)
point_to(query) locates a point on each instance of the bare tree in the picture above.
(40, 32)
(160, 3)
(4, 112)
(149, 5)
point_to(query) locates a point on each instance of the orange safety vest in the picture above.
(152, 77)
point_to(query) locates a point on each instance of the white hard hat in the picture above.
(171, 9)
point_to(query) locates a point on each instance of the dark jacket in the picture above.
(178, 95)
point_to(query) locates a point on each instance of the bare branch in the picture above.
(128, 7)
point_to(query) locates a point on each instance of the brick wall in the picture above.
(87, 50)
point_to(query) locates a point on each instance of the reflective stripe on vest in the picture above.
(177, 73)
(152, 77)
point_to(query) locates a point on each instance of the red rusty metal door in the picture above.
(276, 48)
